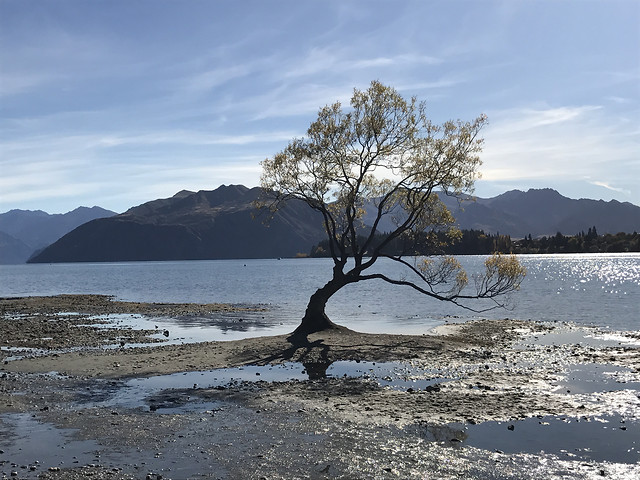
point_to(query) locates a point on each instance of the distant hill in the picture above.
(218, 224)
(12, 250)
(224, 223)
(26, 231)
(544, 212)
(538, 212)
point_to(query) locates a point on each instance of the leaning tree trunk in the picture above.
(315, 319)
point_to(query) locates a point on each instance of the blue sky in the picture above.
(114, 103)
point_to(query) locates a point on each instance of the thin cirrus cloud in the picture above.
(609, 187)
(563, 143)
(179, 97)
(332, 59)
(120, 181)
(190, 138)
(205, 81)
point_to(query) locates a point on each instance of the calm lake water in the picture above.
(595, 289)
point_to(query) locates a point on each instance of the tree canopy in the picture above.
(384, 158)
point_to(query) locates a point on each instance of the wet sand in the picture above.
(316, 427)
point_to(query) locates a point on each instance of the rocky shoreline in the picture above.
(409, 411)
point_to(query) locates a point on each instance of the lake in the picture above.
(594, 289)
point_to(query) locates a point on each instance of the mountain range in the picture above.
(24, 232)
(218, 224)
(225, 223)
(544, 212)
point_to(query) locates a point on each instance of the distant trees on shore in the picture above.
(589, 242)
(477, 242)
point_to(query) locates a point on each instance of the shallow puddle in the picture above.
(395, 375)
(579, 336)
(594, 377)
(29, 447)
(177, 393)
(222, 326)
(610, 439)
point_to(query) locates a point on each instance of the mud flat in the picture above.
(482, 399)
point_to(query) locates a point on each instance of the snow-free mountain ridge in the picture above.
(23, 232)
(225, 223)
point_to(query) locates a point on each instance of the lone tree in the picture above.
(384, 154)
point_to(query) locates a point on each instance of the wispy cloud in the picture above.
(337, 59)
(552, 116)
(112, 98)
(207, 80)
(13, 83)
(619, 100)
(60, 146)
(555, 143)
(290, 100)
(609, 187)
(517, 120)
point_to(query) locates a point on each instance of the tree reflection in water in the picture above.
(317, 370)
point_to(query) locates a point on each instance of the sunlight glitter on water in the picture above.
(597, 268)
(601, 289)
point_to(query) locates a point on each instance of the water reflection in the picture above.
(450, 434)
(169, 391)
(317, 370)
(609, 439)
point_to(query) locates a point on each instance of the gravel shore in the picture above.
(410, 422)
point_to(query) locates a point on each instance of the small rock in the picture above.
(511, 427)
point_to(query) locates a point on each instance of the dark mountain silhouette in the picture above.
(26, 231)
(218, 224)
(538, 212)
(224, 223)
(544, 212)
